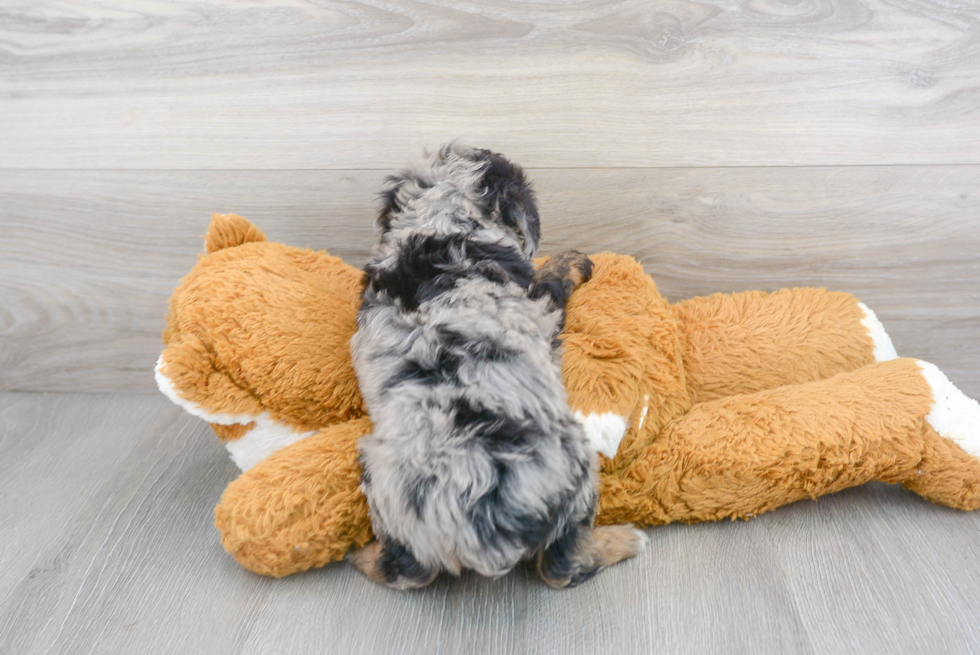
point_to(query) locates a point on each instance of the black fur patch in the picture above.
(500, 263)
(389, 202)
(509, 191)
(493, 519)
(558, 557)
(498, 432)
(493, 522)
(444, 370)
(486, 349)
(423, 269)
(429, 266)
(397, 562)
(559, 560)
(556, 289)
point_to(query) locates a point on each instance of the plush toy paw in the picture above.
(954, 415)
(948, 468)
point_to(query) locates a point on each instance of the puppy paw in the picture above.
(392, 566)
(561, 275)
(570, 265)
(366, 561)
(614, 543)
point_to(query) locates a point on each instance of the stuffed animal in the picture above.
(717, 407)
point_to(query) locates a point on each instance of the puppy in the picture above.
(476, 460)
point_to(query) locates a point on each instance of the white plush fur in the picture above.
(884, 349)
(604, 431)
(954, 415)
(167, 388)
(265, 438)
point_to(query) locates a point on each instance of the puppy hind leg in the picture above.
(387, 562)
(582, 551)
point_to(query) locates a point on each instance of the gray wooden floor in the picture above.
(727, 144)
(106, 547)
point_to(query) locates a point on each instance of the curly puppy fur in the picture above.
(476, 460)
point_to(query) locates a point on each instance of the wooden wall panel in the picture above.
(90, 257)
(363, 84)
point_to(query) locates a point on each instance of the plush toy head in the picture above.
(257, 340)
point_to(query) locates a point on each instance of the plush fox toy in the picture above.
(717, 407)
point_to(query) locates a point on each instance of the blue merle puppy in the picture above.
(476, 461)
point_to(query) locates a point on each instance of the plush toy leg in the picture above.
(620, 341)
(301, 507)
(747, 342)
(899, 421)
(956, 417)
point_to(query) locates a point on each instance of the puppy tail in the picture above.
(228, 231)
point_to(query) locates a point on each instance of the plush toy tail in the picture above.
(228, 231)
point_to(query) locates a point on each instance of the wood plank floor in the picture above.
(108, 547)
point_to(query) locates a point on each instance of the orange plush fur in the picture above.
(716, 407)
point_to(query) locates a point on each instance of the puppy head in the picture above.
(495, 187)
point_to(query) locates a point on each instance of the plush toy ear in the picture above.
(228, 231)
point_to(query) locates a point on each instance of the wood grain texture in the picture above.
(89, 258)
(363, 83)
(838, 603)
(121, 555)
(108, 547)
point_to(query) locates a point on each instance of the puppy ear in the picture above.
(389, 202)
(509, 193)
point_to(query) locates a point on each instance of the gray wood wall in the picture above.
(728, 145)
